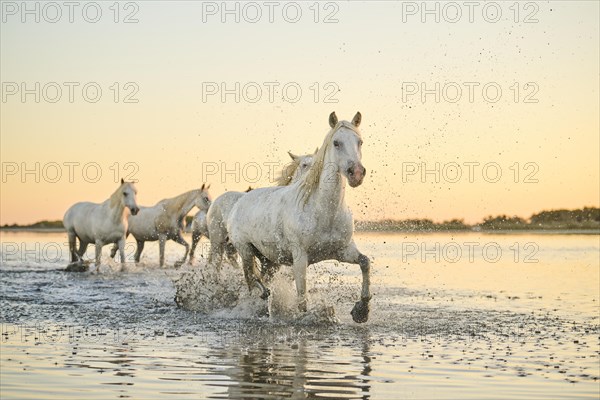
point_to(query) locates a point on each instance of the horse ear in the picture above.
(292, 155)
(332, 119)
(208, 187)
(122, 181)
(356, 120)
(316, 150)
(202, 188)
(249, 189)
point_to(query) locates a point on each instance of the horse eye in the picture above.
(336, 143)
(124, 193)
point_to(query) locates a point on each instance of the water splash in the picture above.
(205, 290)
(225, 295)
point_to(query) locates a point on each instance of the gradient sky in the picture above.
(172, 133)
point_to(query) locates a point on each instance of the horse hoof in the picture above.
(78, 266)
(302, 306)
(265, 294)
(360, 311)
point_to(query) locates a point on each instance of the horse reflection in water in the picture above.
(273, 364)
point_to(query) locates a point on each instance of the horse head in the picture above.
(127, 196)
(296, 169)
(203, 199)
(301, 164)
(344, 149)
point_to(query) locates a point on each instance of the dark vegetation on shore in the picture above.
(58, 224)
(587, 218)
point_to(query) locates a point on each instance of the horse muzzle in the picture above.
(355, 174)
(134, 210)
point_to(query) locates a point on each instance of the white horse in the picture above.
(219, 211)
(165, 221)
(307, 221)
(101, 224)
(199, 229)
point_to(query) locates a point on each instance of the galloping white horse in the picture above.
(307, 221)
(219, 211)
(165, 221)
(101, 224)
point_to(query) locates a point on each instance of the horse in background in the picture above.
(101, 224)
(221, 208)
(199, 228)
(165, 221)
(307, 221)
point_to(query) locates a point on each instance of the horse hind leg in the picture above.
(268, 268)
(215, 253)
(195, 239)
(247, 252)
(138, 250)
(231, 254)
(113, 250)
(179, 239)
(73, 246)
(82, 249)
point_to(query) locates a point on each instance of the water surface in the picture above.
(451, 317)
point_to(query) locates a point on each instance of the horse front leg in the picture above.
(99, 245)
(179, 239)
(121, 244)
(162, 239)
(360, 311)
(299, 268)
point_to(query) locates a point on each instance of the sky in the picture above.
(468, 110)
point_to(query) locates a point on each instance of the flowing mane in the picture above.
(176, 203)
(116, 198)
(287, 173)
(310, 182)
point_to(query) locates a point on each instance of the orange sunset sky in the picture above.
(511, 98)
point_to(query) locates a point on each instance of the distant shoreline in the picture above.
(548, 231)
(28, 229)
(585, 221)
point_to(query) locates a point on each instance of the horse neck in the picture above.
(329, 195)
(187, 203)
(117, 209)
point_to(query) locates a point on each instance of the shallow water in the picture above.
(453, 315)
